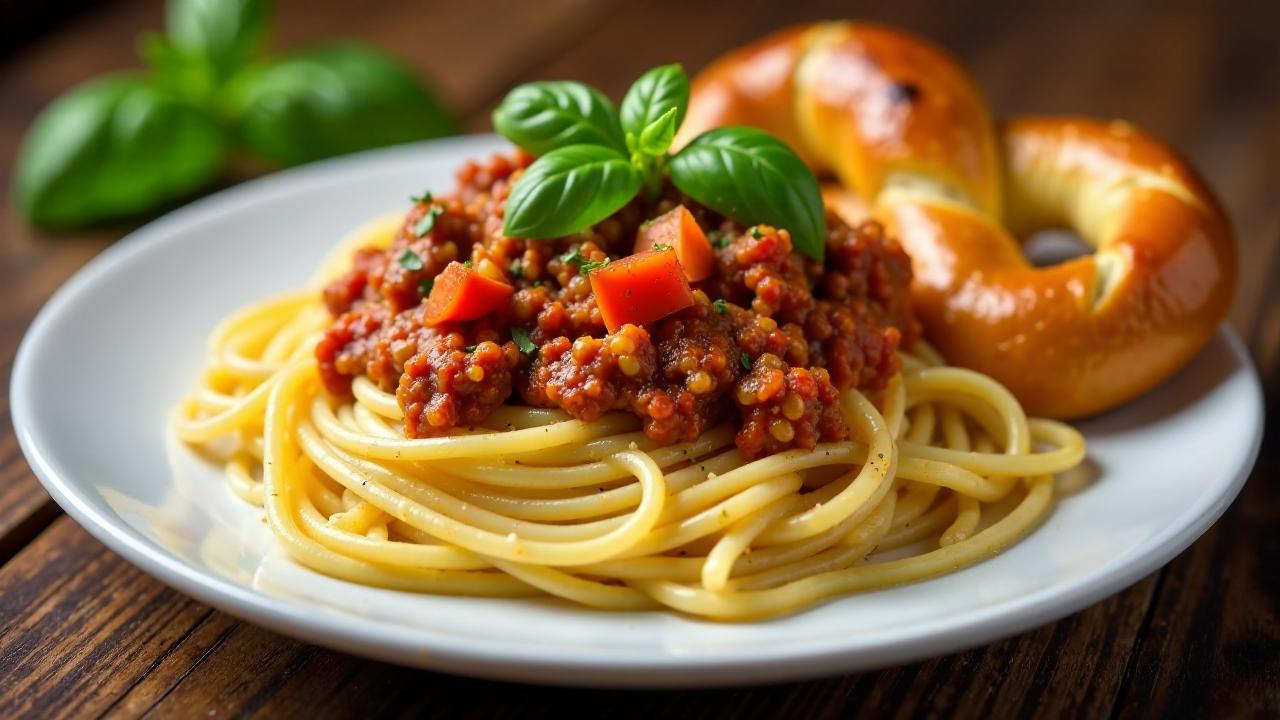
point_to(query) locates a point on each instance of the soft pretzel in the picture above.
(908, 135)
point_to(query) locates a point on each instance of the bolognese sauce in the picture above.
(767, 339)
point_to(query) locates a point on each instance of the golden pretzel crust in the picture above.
(907, 133)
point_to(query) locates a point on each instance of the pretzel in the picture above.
(910, 139)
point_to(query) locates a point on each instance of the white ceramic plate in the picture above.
(113, 350)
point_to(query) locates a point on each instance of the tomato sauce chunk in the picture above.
(640, 289)
(460, 293)
(677, 229)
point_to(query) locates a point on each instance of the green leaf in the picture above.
(752, 177)
(545, 116)
(722, 307)
(179, 72)
(410, 260)
(569, 189)
(110, 148)
(330, 101)
(427, 222)
(652, 95)
(222, 34)
(657, 136)
(523, 341)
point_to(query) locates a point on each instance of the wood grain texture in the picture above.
(82, 633)
(1213, 644)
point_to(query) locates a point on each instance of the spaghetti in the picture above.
(942, 469)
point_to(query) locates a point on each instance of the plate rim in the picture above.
(482, 657)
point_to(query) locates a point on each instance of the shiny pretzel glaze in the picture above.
(908, 135)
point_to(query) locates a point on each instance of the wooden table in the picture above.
(84, 633)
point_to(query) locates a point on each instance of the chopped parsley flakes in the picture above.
(427, 222)
(721, 306)
(591, 265)
(745, 359)
(523, 341)
(409, 260)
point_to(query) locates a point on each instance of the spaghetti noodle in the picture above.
(942, 469)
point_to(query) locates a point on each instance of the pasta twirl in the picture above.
(943, 469)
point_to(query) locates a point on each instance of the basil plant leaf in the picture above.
(177, 71)
(330, 101)
(544, 116)
(570, 189)
(753, 177)
(223, 34)
(652, 95)
(657, 136)
(110, 148)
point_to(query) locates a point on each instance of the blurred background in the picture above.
(1202, 75)
(1205, 76)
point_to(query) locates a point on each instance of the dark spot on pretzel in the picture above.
(904, 92)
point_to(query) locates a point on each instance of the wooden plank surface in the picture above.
(82, 633)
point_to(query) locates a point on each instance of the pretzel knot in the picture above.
(908, 135)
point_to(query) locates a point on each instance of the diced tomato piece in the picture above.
(460, 293)
(640, 289)
(676, 228)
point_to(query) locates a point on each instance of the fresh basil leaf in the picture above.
(110, 148)
(222, 34)
(752, 177)
(652, 95)
(544, 116)
(569, 189)
(332, 100)
(181, 73)
(657, 136)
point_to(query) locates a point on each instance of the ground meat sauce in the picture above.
(790, 334)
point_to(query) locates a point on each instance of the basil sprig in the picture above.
(568, 189)
(544, 116)
(766, 191)
(652, 111)
(110, 148)
(593, 160)
(130, 143)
